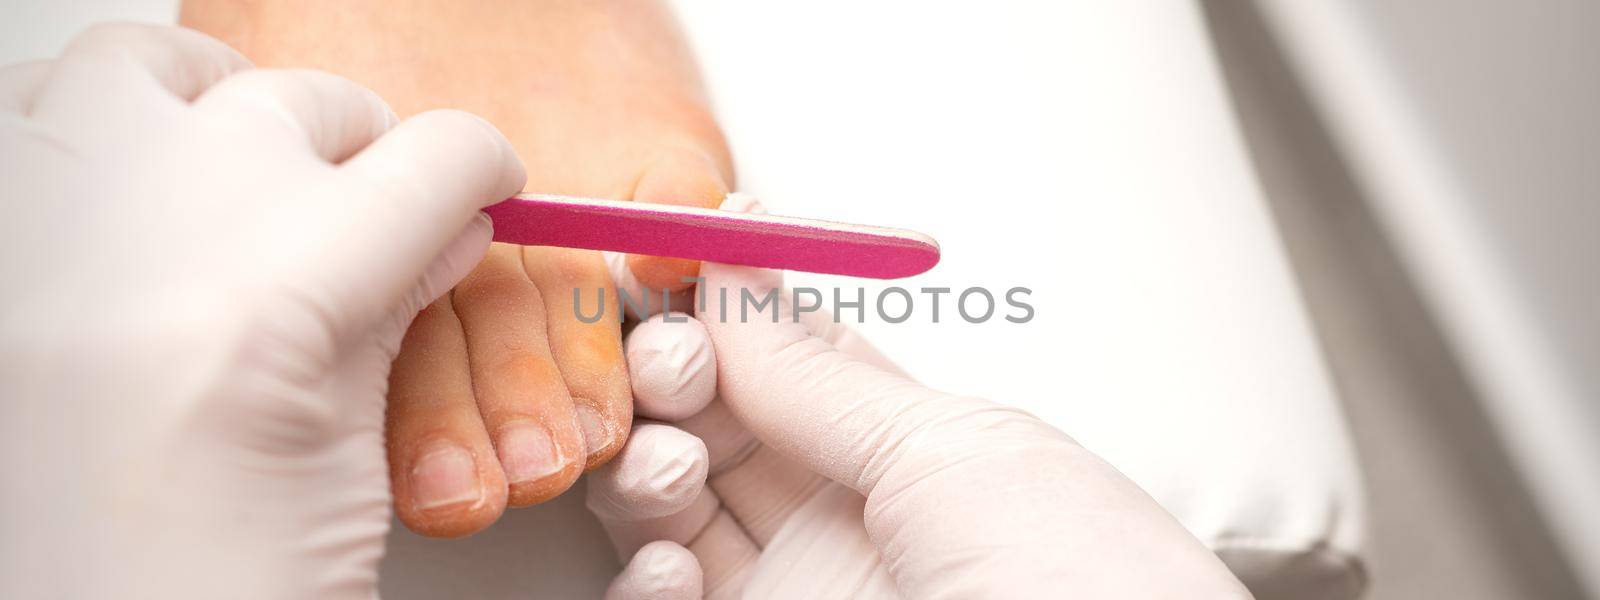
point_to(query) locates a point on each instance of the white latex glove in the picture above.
(208, 270)
(833, 475)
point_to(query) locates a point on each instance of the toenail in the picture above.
(596, 436)
(445, 475)
(527, 452)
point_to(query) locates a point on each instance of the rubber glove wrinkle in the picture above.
(195, 377)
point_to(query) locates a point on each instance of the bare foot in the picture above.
(500, 395)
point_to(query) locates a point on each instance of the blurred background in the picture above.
(1324, 270)
(1431, 166)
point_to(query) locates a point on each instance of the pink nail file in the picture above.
(713, 235)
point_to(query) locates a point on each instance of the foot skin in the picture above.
(500, 396)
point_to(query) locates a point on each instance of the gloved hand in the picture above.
(833, 475)
(208, 271)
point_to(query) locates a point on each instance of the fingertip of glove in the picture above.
(658, 473)
(672, 367)
(660, 570)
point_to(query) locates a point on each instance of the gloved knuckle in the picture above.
(449, 120)
(267, 86)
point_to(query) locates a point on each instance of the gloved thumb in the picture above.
(841, 413)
